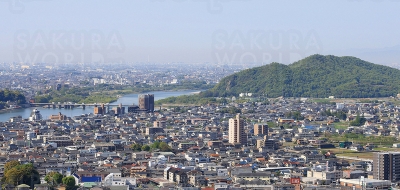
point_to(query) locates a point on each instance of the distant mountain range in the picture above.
(315, 76)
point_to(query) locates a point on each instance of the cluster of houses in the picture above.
(96, 149)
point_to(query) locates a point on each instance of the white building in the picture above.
(115, 179)
(35, 115)
(339, 106)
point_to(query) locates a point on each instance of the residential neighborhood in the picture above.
(200, 95)
(282, 143)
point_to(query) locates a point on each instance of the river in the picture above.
(125, 100)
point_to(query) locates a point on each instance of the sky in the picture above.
(197, 31)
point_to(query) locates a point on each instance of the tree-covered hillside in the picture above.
(12, 96)
(315, 76)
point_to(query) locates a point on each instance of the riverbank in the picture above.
(9, 109)
(128, 99)
(20, 106)
(118, 93)
(110, 93)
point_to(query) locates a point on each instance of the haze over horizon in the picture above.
(198, 31)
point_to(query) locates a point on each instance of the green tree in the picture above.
(16, 173)
(341, 115)
(54, 178)
(13, 96)
(164, 147)
(155, 145)
(136, 147)
(69, 183)
(160, 145)
(145, 147)
(11, 164)
(327, 112)
(358, 121)
(231, 110)
(295, 115)
(12, 176)
(43, 99)
(2, 105)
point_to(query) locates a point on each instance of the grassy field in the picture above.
(286, 144)
(350, 153)
(322, 100)
(388, 149)
(381, 141)
(366, 155)
(341, 125)
(340, 150)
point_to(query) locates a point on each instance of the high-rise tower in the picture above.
(236, 131)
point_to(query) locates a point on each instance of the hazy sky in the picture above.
(197, 31)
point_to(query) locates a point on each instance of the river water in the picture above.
(129, 99)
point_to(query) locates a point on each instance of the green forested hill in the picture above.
(11, 95)
(315, 76)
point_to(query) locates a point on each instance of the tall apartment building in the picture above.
(386, 166)
(146, 102)
(154, 130)
(236, 131)
(161, 124)
(119, 110)
(261, 129)
(266, 143)
(100, 110)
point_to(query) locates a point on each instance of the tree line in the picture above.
(16, 173)
(107, 93)
(12, 96)
(155, 145)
